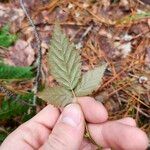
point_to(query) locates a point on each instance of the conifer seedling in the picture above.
(65, 66)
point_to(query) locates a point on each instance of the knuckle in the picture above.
(55, 142)
(24, 129)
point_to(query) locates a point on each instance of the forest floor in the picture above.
(114, 31)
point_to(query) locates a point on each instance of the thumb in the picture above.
(68, 131)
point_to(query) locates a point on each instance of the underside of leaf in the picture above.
(64, 60)
(57, 96)
(90, 81)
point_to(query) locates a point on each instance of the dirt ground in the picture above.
(114, 31)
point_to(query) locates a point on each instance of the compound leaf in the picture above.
(64, 60)
(57, 96)
(90, 81)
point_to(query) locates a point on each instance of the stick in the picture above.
(39, 57)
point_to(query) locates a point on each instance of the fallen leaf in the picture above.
(21, 54)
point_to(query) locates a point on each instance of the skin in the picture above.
(52, 130)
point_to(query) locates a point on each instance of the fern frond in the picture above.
(14, 107)
(12, 72)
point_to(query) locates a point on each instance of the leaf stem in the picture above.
(74, 97)
(88, 136)
(87, 133)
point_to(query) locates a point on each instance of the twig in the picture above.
(86, 33)
(141, 112)
(99, 18)
(140, 2)
(39, 58)
(7, 92)
(13, 95)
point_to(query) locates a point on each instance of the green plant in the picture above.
(12, 105)
(6, 38)
(15, 104)
(12, 108)
(13, 72)
(3, 135)
(65, 66)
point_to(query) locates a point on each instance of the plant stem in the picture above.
(89, 137)
(75, 100)
(87, 133)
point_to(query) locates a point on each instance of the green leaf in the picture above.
(15, 107)
(6, 39)
(90, 81)
(12, 72)
(3, 135)
(57, 96)
(64, 60)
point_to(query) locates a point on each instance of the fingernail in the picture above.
(71, 115)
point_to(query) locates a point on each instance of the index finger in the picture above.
(93, 110)
(33, 133)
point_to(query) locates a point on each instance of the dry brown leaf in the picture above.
(21, 54)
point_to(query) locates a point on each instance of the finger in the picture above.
(33, 133)
(93, 110)
(87, 145)
(68, 131)
(47, 117)
(118, 136)
(127, 121)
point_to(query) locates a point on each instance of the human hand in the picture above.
(52, 130)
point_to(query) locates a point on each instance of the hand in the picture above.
(52, 130)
